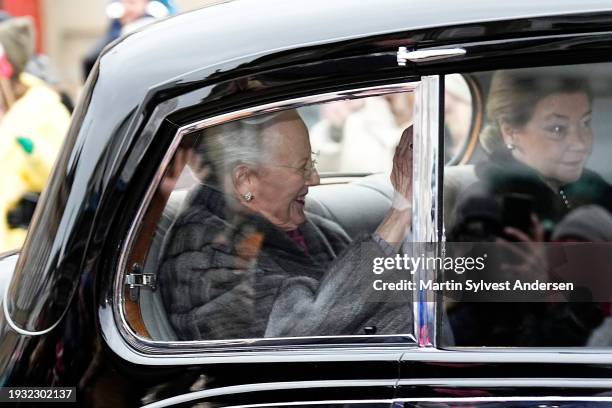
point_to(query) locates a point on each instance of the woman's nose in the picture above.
(582, 139)
(314, 178)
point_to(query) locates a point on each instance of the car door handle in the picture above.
(403, 55)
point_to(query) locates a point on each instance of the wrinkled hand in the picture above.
(398, 220)
(401, 174)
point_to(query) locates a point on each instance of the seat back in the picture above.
(358, 207)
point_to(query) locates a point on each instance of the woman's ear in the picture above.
(508, 132)
(244, 179)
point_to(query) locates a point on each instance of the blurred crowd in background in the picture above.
(49, 47)
(38, 93)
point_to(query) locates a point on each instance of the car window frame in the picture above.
(136, 342)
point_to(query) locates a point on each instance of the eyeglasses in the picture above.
(308, 170)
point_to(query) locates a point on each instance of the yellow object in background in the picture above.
(31, 134)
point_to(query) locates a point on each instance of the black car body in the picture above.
(64, 323)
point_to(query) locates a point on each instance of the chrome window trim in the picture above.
(238, 389)
(303, 344)
(446, 382)
(517, 382)
(117, 342)
(506, 399)
(425, 208)
(317, 403)
(15, 327)
(437, 400)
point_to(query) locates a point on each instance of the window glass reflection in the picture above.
(359, 136)
(251, 244)
(537, 189)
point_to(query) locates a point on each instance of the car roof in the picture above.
(309, 22)
(245, 29)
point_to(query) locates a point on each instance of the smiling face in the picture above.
(280, 185)
(557, 139)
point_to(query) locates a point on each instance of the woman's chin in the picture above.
(286, 220)
(570, 175)
(297, 213)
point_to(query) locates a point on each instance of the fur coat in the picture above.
(227, 275)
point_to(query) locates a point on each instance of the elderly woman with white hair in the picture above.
(245, 260)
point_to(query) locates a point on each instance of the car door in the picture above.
(343, 362)
(320, 363)
(505, 343)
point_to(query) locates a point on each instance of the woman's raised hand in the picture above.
(397, 222)
(401, 174)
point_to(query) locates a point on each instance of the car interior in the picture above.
(331, 201)
(356, 201)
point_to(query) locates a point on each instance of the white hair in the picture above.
(230, 144)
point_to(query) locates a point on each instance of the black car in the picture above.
(86, 303)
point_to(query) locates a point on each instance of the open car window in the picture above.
(531, 210)
(266, 228)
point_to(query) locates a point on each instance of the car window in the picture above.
(529, 216)
(268, 227)
(349, 134)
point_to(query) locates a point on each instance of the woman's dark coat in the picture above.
(501, 175)
(524, 324)
(226, 275)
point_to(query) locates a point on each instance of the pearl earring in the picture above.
(510, 146)
(248, 196)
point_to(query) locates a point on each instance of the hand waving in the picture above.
(401, 174)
